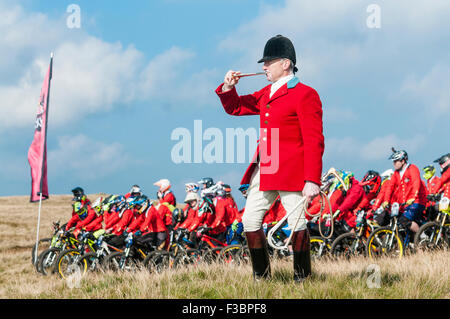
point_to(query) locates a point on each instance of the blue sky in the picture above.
(135, 71)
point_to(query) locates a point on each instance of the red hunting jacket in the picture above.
(409, 186)
(291, 140)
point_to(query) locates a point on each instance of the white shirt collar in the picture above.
(403, 170)
(279, 83)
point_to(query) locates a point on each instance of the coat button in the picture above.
(265, 122)
(265, 130)
(264, 139)
(267, 114)
(268, 106)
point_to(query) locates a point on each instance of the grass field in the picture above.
(417, 276)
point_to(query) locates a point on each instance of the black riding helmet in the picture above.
(279, 47)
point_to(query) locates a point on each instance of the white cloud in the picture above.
(90, 75)
(86, 158)
(380, 147)
(432, 90)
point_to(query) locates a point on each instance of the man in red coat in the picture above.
(443, 186)
(288, 160)
(411, 192)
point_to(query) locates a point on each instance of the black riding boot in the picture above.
(259, 255)
(302, 256)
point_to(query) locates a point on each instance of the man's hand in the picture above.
(310, 191)
(230, 80)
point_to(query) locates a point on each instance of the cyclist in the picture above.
(113, 213)
(191, 201)
(96, 223)
(139, 217)
(164, 194)
(208, 187)
(371, 184)
(135, 191)
(84, 214)
(219, 223)
(79, 196)
(443, 185)
(344, 211)
(411, 190)
(381, 216)
(154, 231)
(432, 190)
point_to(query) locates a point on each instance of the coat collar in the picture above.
(284, 89)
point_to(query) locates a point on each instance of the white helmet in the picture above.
(387, 174)
(135, 189)
(163, 184)
(191, 196)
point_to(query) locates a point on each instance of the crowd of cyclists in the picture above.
(210, 207)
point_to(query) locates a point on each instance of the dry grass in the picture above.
(416, 276)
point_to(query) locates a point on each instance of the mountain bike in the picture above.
(352, 244)
(391, 240)
(96, 260)
(70, 261)
(130, 258)
(435, 234)
(61, 241)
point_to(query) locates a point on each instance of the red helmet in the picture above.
(371, 182)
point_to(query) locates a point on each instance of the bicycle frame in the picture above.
(302, 203)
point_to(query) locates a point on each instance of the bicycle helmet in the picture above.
(205, 205)
(163, 184)
(135, 190)
(207, 182)
(221, 193)
(244, 187)
(192, 187)
(191, 196)
(177, 216)
(227, 188)
(371, 182)
(442, 160)
(79, 209)
(97, 205)
(429, 172)
(398, 155)
(387, 174)
(78, 193)
(346, 177)
(108, 202)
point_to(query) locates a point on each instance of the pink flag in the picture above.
(37, 153)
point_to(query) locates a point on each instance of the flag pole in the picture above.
(37, 231)
(45, 147)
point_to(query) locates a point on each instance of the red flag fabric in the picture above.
(37, 153)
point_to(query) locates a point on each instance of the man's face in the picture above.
(276, 69)
(398, 165)
(444, 165)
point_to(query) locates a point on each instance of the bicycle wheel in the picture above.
(47, 260)
(117, 261)
(92, 260)
(231, 254)
(45, 243)
(319, 247)
(159, 260)
(384, 242)
(70, 264)
(348, 245)
(210, 255)
(190, 256)
(430, 237)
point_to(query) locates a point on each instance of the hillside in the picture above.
(417, 276)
